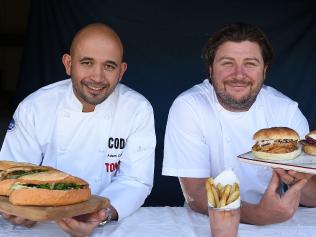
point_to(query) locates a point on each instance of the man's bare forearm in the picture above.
(195, 194)
(199, 206)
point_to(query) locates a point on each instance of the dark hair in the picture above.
(237, 32)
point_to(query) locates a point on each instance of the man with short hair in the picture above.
(212, 123)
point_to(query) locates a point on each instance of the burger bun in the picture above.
(310, 149)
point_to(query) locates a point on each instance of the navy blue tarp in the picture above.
(163, 42)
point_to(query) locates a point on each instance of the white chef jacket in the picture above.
(202, 138)
(112, 148)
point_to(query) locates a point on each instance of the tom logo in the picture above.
(116, 143)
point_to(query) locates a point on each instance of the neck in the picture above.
(88, 108)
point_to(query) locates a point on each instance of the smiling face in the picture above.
(95, 65)
(237, 74)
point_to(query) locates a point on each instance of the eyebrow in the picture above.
(91, 59)
(253, 59)
(111, 62)
(246, 59)
(86, 58)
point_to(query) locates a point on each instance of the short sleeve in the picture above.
(186, 153)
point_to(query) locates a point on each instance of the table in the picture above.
(173, 222)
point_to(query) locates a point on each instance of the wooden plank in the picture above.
(36, 213)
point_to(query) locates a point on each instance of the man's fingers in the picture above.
(274, 182)
(284, 176)
(23, 222)
(64, 226)
(299, 175)
(77, 228)
(5, 215)
(18, 220)
(290, 176)
(298, 186)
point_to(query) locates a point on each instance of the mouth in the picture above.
(238, 86)
(95, 90)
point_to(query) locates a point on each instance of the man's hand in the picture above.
(291, 177)
(83, 225)
(15, 220)
(308, 193)
(277, 208)
(273, 207)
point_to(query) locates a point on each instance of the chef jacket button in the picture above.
(66, 115)
(107, 117)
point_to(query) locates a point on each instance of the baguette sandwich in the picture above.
(51, 188)
(10, 175)
(5, 164)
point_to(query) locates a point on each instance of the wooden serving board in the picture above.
(36, 213)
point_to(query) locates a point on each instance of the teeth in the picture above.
(95, 88)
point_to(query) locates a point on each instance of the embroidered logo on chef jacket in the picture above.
(11, 125)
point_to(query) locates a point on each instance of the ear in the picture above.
(210, 70)
(123, 70)
(265, 72)
(66, 59)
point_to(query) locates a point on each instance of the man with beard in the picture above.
(90, 126)
(213, 122)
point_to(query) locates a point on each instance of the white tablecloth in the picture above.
(173, 222)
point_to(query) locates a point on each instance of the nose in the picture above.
(239, 72)
(98, 74)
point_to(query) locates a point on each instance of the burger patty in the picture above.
(277, 147)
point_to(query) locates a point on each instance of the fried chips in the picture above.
(218, 195)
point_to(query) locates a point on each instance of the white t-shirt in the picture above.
(112, 147)
(202, 138)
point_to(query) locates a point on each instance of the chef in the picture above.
(90, 126)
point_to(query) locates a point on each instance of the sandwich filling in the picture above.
(49, 186)
(19, 173)
(276, 146)
(309, 141)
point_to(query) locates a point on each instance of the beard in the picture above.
(80, 90)
(229, 101)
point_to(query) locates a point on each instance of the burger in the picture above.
(309, 144)
(276, 143)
